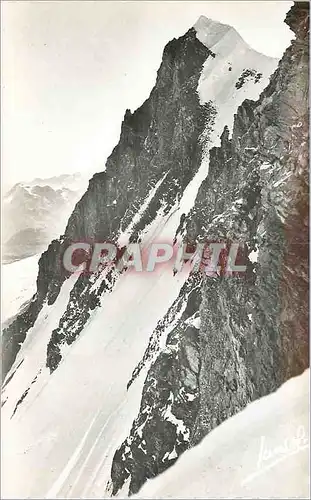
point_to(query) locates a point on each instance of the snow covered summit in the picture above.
(210, 32)
(235, 71)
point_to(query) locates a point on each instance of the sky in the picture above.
(71, 68)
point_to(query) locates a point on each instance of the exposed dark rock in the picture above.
(248, 74)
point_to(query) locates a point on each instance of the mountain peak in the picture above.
(211, 32)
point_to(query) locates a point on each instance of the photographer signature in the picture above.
(269, 457)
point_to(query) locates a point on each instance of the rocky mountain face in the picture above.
(36, 212)
(159, 149)
(262, 318)
(216, 153)
(253, 330)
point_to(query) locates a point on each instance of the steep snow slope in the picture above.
(72, 420)
(232, 75)
(108, 355)
(263, 452)
(18, 285)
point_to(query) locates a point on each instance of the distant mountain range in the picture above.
(36, 212)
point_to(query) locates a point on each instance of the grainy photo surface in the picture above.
(155, 249)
